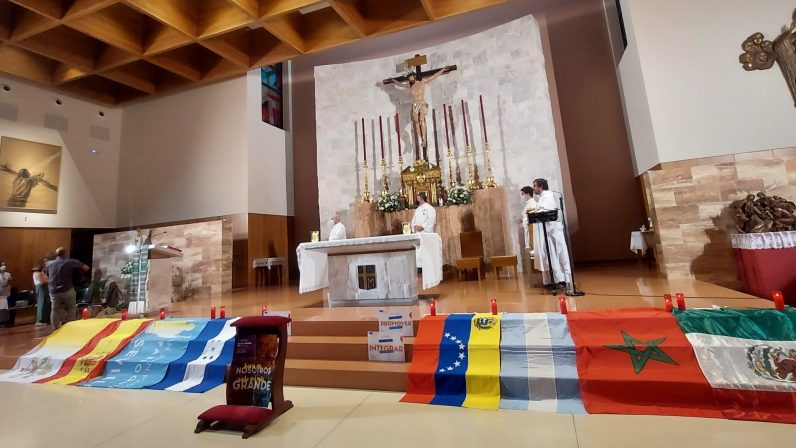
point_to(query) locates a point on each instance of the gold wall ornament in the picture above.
(760, 54)
(490, 180)
(366, 197)
(422, 176)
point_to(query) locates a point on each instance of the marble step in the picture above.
(365, 375)
(336, 348)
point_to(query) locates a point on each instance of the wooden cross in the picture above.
(416, 63)
(367, 277)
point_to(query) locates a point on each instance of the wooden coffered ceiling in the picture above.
(113, 51)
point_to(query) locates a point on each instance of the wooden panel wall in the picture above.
(21, 247)
(268, 237)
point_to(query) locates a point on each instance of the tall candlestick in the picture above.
(464, 119)
(364, 149)
(381, 136)
(483, 120)
(445, 115)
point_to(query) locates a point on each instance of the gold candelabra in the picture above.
(366, 195)
(385, 188)
(490, 180)
(450, 168)
(471, 182)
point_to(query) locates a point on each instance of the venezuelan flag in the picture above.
(456, 362)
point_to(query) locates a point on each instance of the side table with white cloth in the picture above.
(380, 270)
(262, 270)
(766, 263)
(642, 243)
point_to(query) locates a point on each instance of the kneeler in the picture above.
(254, 379)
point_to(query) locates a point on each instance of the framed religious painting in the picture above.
(29, 176)
(271, 80)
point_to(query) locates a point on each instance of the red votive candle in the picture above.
(433, 307)
(162, 313)
(493, 306)
(667, 300)
(263, 309)
(124, 314)
(85, 313)
(212, 312)
(680, 301)
(562, 304)
(222, 312)
(779, 300)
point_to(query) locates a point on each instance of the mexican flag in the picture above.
(700, 363)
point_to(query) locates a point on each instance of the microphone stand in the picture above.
(574, 291)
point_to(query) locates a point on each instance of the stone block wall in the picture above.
(689, 200)
(206, 264)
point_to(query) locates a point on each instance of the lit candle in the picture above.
(483, 120)
(398, 133)
(364, 150)
(562, 304)
(493, 306)
(124, 314)
(433, 307)
(445, 114)
(263, 310)
(779, 300)
(381, 136)
(85, 313)
(680, 301)
(162, 313)
(667, 300)
(464, 119)
(212, 312)
(222, 312)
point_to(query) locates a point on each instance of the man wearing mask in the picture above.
(62, 290)
(5, 291)
(338, 229)
(555, 235)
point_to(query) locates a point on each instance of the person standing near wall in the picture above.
(62, 290)
(40, 282)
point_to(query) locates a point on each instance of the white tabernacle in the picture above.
(381, 268)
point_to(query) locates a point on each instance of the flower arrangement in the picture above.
(388, 203)
(459, 195)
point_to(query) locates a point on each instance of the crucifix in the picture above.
(416, 82)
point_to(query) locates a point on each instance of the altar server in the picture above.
(338, 229)
(425, 216)
(528, 206)
(559, 258)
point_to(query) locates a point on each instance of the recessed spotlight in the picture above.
(6, 88)
(58, 102)
(101, 113)
(94, 151)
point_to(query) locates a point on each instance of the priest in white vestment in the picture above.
(529, 206)
(559, 257)
(423, 221)
(338, 229)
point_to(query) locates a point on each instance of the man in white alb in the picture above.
(338, 229)
(425, 216)
(555, 233)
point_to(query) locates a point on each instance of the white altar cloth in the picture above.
(314, 267)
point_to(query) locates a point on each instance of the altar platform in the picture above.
(328, 346)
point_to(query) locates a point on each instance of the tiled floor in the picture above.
(66, 417)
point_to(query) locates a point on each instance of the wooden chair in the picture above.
(472, 250)
(503, 261)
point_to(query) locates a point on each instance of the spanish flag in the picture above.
(456, 362)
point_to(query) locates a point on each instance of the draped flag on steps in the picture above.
(204, 364)
(90, 361)
(146, 358)
(749, 358)
(456, 361)
(537, 364)
(46, 359)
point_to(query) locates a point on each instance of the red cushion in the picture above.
(242, 415)
(261, 322)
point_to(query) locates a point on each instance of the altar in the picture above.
(378, 270)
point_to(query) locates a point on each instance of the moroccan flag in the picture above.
(638, 362)
(749, 358)
(456, 361)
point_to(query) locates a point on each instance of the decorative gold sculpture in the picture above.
(764, 214)
(760, 54)
(422, 176)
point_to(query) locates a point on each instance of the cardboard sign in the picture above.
(385, 347)
(399, 323)
(280, 314)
